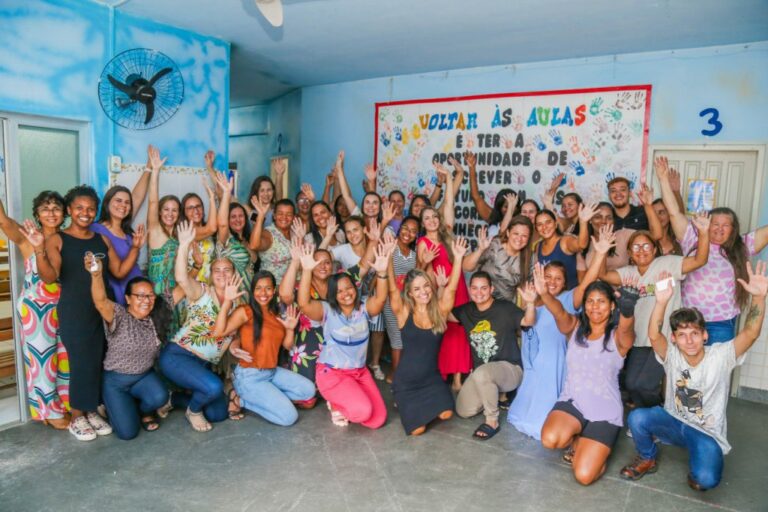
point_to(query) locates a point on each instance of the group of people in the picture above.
(563, 318)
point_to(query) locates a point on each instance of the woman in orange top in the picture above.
(263, 387)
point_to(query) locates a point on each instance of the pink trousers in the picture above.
(352, 392)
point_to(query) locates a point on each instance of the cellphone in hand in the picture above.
(665, 283)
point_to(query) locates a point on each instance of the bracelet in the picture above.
(385, 276)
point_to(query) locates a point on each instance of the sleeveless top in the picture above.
(161, 266)
(195, 334)
(277, 258)
(122, 247)
(592, 379)
(558, 254)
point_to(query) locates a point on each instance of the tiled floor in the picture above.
(314, 466)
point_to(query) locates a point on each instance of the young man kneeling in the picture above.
(491, 327)
(698, 381)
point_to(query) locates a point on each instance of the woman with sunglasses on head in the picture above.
(135, 332)
(60, 257)
(45, 358)
(643, 373)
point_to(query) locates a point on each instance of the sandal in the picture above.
(234, 409)
(568, 454)
(166, 409)
(149, 423)
(378, 374)
(198, 421)
(484, 432)
(337, 418)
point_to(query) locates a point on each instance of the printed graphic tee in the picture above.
(492, 333)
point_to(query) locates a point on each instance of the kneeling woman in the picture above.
(588, 415)
(134, 335)
(263, 387)
(342, 377)
(420, 391)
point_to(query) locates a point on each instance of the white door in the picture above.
(737, 173)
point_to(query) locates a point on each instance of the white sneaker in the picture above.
(81, 429)
(99, 424)
(377, 373)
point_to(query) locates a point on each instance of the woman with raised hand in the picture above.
(668, 243)
(305, 198)
(601, 215)
(135, 332)
(420, 392)
(45, 358)
(712, 289)
(193, 212)
(543, 345)
(263, 387)
(163, 216)
(321, 222)
(262, 197)
(588, 416)
(60, 257)
(554, 246)
(433, 251)
(309, 337)
(493, 215)
(342, 377)
(234, 232)
(506, 259)
(188, 359)
(273, 243)
(643, 373)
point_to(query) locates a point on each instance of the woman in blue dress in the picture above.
(543, 347)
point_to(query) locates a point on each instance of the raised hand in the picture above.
(539, 283)
(279, 168)
(308, 261)
(459, 246)
(430, 254)
(382, 254)
(372, 231)
(330, 178)
(606, 241)
(139, 237)
(197, 255)
(306, 188)
(645, 194)
(92, 263)
(483, 242)
(674, 180)
(441, 278)
(556, 182)
(31, 232)
(442, 172)
(223, 183)
(388, 211)
(298, 230)
(296, 247)
(511, 200)
(701, 221)
(185, 232)
(210, 156)
(239, 353)
(587, 211)
(389, 238)
(758, 281)
(663, 293)
(470, 158)
(261, 209)
(527, 293)
(661, 166)
(291, 318)
(208, 189)
(370, 172)
(339, 161)
(154, 161)
(232, 290)
(456, 164)
(331, 227)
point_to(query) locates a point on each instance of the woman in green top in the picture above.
(233, 235)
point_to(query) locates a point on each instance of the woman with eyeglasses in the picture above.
(192, 211)
(131, 389)
(45, 358)
(643, 374)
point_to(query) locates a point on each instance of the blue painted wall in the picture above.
(731, 78)
(285, 134)
(52, 54)
(248, 141)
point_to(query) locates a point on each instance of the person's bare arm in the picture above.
(446, 208)
(47, 252)
(565, 321)
(586, 212)
(121, 268)
(527, 294)
(328, 189)
(375, 302)
(212, 224)
(279, 168)
(484, 210)
(343, 185)
(104, 306)
(261, 240)
(154, 227)
(11, 228)
(192, 288)
(224, 191)
(676, 216)
(511, 200)
(448, 298)
(690, 263)
(458, 175)
(758, 289)
(470, 262)
(656, 322)
(761, 238)
(645, 198)
(607, 239)
(312, 308)
(225, 323)
(210, 157)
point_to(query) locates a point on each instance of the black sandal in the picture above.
(568, 454)
(149, 423)
(234, 409)
(486, 429)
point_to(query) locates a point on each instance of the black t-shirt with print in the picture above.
(635, 219)
(492, 333)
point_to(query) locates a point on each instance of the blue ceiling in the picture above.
(327, 41)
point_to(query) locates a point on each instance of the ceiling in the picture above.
(327, 41)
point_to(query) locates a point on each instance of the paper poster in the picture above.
(701, 196)
(521, 140)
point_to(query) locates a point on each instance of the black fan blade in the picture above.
(160, 74)
(127, 89)
(150, 112)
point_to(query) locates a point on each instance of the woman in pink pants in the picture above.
(341, 375)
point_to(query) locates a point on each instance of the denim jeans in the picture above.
(720, 331)
(188, 371)
(271, 393)
(705, 457)
(121, 391)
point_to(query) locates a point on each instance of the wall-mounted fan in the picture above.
(140, 89)
(272, 11)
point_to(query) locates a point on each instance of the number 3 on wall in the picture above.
(713, 121)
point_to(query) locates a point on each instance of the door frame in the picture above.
(754, 221)
(12, 121)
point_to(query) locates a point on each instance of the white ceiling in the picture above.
(327, 41)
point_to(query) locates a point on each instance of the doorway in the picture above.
(735, 174)
(36, 153)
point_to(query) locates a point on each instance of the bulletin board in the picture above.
(521, 140)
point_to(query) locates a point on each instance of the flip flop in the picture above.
(149, 423)
(486, 429)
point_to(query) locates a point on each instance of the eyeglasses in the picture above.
(193, 207)
(144, 297)
(644, 247)
(303, 200)
(49, 211)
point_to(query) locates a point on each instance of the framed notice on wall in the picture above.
(701, 195)
(521, 141)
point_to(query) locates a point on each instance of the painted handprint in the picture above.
(612, 114)
(557, 139)
(518, 177)
(601, 125)
(623, 99)
(638, 101)
(598, 142)
(636, 127)
(575, 148)
(385, 139)
(416, 131)
(508, 143)
(469, 140)
(620, 136)
(589, 158)
(571, 184)
(540, 145)
(594, 107)
(595, 193)
(632, 177)
(517, 123)
(577, 167)
(398, 133)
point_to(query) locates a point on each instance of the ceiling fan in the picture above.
(272, 11)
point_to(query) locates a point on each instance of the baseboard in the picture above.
(753, 394)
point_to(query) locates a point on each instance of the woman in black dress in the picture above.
(420, 392)
(81, 329)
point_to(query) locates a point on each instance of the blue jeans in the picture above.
(120, 392)
(705, 457)
(270, 393)
(720, 331)
(188, 371)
